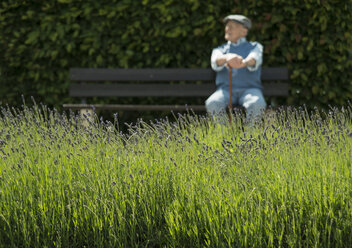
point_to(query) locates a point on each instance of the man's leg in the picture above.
(217, 103)
(254, 103)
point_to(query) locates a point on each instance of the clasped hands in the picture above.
(236, 61)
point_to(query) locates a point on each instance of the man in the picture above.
(245, 58)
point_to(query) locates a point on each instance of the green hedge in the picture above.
(40, 41)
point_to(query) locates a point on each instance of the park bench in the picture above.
(89, 82)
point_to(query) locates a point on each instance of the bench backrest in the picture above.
(161, 89)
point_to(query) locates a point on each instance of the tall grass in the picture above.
(191, 182)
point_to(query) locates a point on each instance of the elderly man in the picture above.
(245, 58)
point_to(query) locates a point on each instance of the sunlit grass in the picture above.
(185, 183)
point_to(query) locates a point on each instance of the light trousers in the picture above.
(251, 99)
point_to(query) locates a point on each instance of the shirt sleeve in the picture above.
(257, 54)
(215, 54)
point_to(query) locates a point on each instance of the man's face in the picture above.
(234, 31)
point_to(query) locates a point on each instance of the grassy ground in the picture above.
(189, 183)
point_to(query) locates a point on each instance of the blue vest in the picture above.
(241, 78)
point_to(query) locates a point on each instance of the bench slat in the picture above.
(160, 90)
(276, 89)
(140, 90)
(135, 107)
(176, 74)
(102, 74)
(275, 73)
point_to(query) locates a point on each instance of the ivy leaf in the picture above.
(32, 37)
(64, 1)
(277, 19)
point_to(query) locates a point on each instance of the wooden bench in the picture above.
(90, 83)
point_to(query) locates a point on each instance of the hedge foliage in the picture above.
(41, 40)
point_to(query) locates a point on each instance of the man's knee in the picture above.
(254, 99)
(254, 104)
(214, 106)
(258, 104)
(256, 108)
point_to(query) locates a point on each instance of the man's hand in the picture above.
(235, 61)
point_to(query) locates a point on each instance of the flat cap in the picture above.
(239, 19)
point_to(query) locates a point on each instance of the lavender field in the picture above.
(191, 182)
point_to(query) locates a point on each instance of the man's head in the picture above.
(236, 27)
